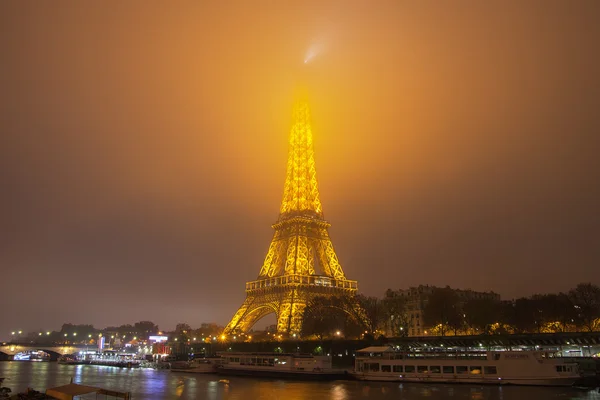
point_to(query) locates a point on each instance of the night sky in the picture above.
(143, 149)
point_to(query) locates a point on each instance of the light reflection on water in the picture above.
(151, 384)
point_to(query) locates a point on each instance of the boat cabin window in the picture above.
(435, 369)
(446, 369)
(563, 368)
(421, 368)
(491, 370)
(409, 368)
(461, 369)
(475, 370)
(372, 367)
(386, 368)
(397, 368)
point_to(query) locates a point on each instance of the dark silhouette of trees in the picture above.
(443, 310)
(395, 313)
(183, 327)
(480, 314)
(323, 317)
(586, 302)
(374, 313)
(145, 328)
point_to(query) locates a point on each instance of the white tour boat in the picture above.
(383, 363)
(278, 365)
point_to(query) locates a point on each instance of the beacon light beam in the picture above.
(313, 50)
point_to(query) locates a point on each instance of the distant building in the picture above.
(416, 300)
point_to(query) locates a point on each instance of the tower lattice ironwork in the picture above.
(301, 262)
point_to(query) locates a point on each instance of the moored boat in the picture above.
(383, 363)
(197, 366)
(279, 365)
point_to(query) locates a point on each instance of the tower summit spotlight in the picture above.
(301, 262)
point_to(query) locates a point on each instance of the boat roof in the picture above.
(264, 353)
(68, 392)
(375, 349)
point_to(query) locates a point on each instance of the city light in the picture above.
(47, 333)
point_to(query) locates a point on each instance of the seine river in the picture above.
(151, 384)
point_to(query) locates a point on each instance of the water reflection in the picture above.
(339, 392)
(151, 384)
(476, 394)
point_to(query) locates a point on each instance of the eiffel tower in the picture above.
(301, 262)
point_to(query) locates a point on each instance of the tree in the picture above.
(520, 315)
(481, 314)
(396, 316)
(443, 310)
(145, 328)
(374, 312)
(322, 317)
(183, 331)
(183, 327)
(554, 312)
(586, 301)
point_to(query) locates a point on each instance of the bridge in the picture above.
(9, 350)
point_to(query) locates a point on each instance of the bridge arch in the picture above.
(54, 356)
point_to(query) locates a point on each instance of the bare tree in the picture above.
(586, 301)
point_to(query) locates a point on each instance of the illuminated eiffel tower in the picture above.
(301, 262)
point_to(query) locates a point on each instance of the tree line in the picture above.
(444, 312)
(86, 333)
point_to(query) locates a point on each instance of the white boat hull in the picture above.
(537, 381)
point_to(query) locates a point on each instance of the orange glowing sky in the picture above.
(144, 146)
